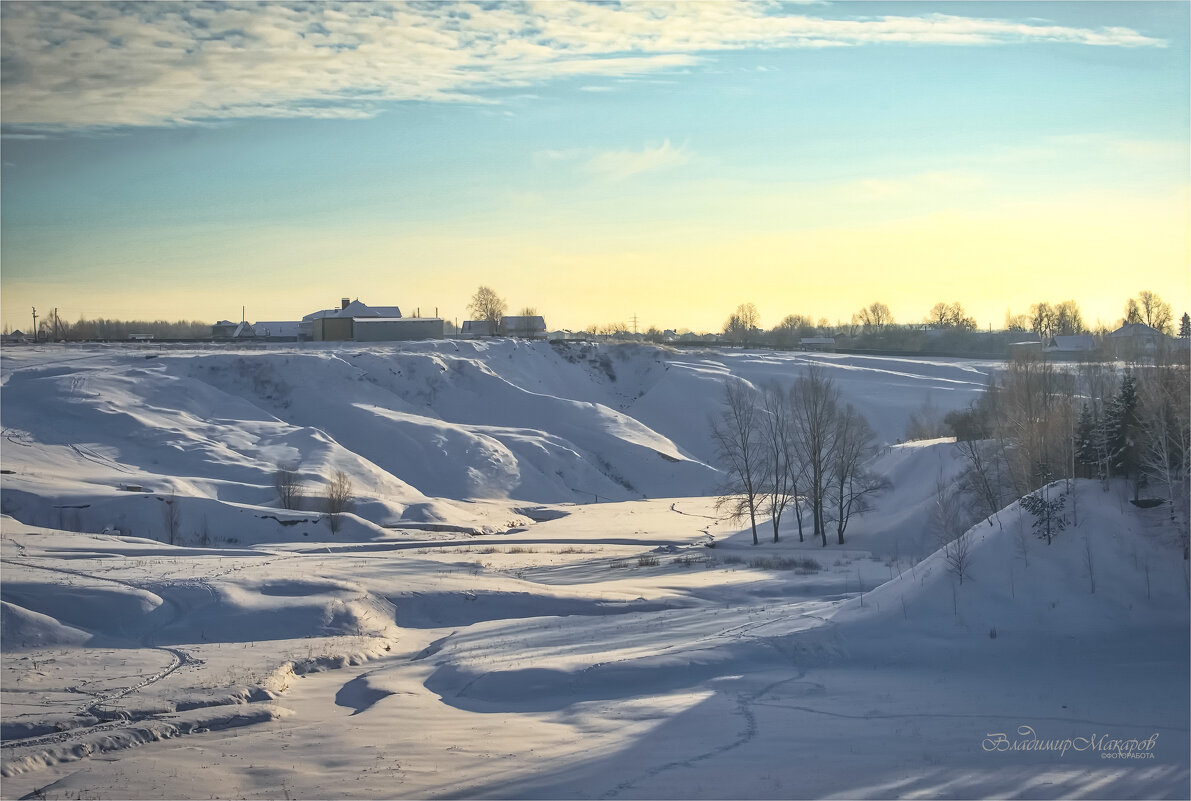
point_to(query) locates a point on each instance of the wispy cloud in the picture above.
(81, 65)
(617, 165)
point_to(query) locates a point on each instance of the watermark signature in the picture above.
(1106, 746)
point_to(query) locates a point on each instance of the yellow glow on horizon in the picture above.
(1096, 250)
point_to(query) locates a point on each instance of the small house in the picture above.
(1136, 341)
(472, 329)
(1074, 346)
(817, 343)
(526, 327)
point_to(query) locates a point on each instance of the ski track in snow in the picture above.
(179, 658)
(744, 704)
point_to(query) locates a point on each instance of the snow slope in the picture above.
(566, 662)
(452, 432)
(480, 627)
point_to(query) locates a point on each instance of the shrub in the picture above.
(785, 563)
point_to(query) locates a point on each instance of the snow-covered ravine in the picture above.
(480, 627)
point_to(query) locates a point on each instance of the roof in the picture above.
(356, 309)
(817, 341)
(535, 322)
(1074, 342)
(1135, 330)
(283, 328)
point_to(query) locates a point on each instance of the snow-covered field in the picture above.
(523, 602)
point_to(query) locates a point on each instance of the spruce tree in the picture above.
(1123, 427)
(1085, 437)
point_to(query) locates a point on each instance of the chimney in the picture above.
(344, 302)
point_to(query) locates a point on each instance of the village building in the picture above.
(817, 343)
(473, 329)
(1070, 347)
(277, 331)
(224, 329)
(526, 327)
(354, 321)
(1136, 342)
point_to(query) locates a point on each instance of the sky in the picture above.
(594, 161)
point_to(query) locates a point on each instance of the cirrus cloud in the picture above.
(87, 65)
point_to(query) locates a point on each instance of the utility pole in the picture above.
(34, 323)
(634, 323)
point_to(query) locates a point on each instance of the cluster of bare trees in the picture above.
(335, 499)
(951, 315)
(1152, 310)
(797, 448)
(743, 325)
(1042, 422)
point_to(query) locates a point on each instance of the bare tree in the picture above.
(852, 485)
(1034, 418)
(984, 476)
(171, 515)
(939, 315)
(488, 306)
(1151, 310)
(289, 485)
(950, 526)
(926, 422)
(1068, 320)
(741, 451)
(1165, 426)
(816, 405)
(338, 499)
(784, 469)
(1042, 320)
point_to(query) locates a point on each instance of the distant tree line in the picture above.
(794, 448)
(52, 328)
(946, 328)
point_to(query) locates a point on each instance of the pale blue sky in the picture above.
(705, 154)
